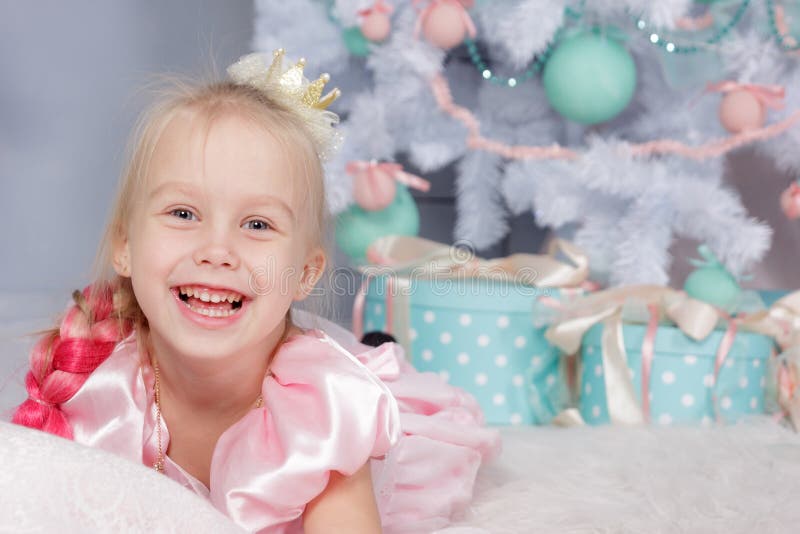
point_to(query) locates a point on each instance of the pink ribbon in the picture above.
(358, 308)
(378, 7)
(786, 384)
(769, 95)
(395, 170)
(694, 24)
(360, 302)
(465, 18)
(648, 352)
(783, 27)
(722, 353)
(648, 348)
(372, 174)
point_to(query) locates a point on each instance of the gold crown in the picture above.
(293, 82)
(291, 89)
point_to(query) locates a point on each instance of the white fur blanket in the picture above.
(738, 479)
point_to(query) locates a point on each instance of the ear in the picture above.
(312, 272)
(121, 259)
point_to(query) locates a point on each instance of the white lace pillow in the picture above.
(49, 484)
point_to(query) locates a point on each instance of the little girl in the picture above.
(183, 354)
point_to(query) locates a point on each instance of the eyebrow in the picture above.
(166, 186)
(256, 200)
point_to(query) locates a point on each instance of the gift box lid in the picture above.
(470, 294)
(671, 340)
(771, 296)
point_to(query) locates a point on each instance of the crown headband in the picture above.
(292, 90)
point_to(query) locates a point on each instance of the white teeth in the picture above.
(212, 313)
(205, 296)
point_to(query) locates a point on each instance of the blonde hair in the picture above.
(107, 310)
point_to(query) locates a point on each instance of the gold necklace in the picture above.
(159, 463)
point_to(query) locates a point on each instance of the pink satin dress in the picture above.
(325, 409)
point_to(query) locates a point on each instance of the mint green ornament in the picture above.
(712, 283)
(354, 40)
(357, 228)
(589, 78)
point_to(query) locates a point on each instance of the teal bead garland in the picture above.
(672, 47)
(589, 78)
(536, 66)
(357, 228)
(507, 81)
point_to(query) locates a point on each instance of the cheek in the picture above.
(276, 272)
(154, 251)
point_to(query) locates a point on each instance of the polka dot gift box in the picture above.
(476, 332)
(652, 354)
(684, 386)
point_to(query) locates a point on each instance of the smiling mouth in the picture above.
(210, 304)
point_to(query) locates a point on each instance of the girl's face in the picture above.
(214, 249)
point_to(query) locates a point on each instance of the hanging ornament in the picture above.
(375, 22)
(374, 184)
(354, 40)
(711, 282)
(790, 200)
(589, 77)
(783, 19)
(357, 228)
(743, 106)
(444, 23)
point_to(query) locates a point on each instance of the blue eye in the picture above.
(182, 214)
(258, 224)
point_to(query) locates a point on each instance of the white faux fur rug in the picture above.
(738, 479)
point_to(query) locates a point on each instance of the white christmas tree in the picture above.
(627, 182)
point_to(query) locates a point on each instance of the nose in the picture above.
(216, 251)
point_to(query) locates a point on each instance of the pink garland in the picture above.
(712, 149)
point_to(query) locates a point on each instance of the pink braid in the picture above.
(62, 360)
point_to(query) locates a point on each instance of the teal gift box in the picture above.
(479, 335)
(682, 387)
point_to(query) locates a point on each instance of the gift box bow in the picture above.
(654, 306)
(785, 320)
(404, 259)
(409, 255)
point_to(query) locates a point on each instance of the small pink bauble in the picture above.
(444, 25)
(373, 190)
(376, 26)
(790, 201)
(740, 111)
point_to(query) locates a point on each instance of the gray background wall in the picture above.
(69, 95)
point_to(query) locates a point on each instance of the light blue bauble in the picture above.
(354, 40)
(589, 78)
(715, 286)
(711, 282)
(357, 228)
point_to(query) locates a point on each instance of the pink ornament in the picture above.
(373, 188)
(445, 23)
(374, 184)
(375, 22)
(741, 111)
(790, 201)
(376, 27)
(743, 108)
